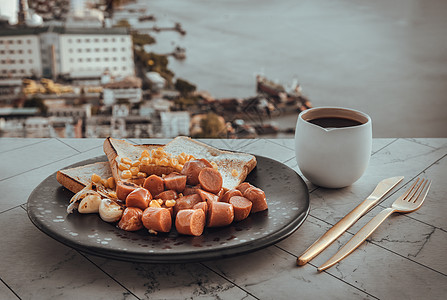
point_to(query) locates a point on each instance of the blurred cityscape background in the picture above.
(234, 69)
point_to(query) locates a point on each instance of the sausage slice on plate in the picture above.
(190, 221)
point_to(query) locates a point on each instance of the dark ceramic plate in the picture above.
(287, 196)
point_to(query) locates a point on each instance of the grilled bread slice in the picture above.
(234, 167)
(75, 179)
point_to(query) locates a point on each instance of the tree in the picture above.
(213, 126)
(122, 23)
(184, 87)
(141, 39)
(36, 102)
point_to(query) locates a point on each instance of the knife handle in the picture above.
(358, 238)
(337, 230)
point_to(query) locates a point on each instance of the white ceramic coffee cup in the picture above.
(333, 157)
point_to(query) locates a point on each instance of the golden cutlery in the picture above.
(332, 234)
(410, 201)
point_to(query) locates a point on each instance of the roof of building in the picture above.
(128, 82)
(22, 30)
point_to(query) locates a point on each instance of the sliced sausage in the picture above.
(230, 193)
(139, 197)
(131, 219)
(219, 214)
(243, 186)
(257, 197)
(210, 180)
(157, 219)
(167, 195)
(189, 190)
(192, 169)
(190, 222)
(124, 188)
(175, 181)
(203, 206)
(154, 184)
(242, 207)
(186, 202)
(207, 196)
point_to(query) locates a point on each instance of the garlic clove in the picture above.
(110, 211)
(90, 204)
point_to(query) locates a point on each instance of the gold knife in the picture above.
(332, 234)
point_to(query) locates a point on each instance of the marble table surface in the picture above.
(406, 258)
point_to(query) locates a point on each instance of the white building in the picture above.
(174, 123)
(20, 54)
(128, 90)
(89, 52)
(53, 51)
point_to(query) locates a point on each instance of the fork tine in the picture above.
(419, 199)
(415, 190)
(410, 190)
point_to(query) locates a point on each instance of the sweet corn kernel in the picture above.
(145, 153)
(160, 201)
(234, 173)
(96, 178)
(126, 174)
(170, 203)
(173, 161)
(123, 166)
(111, 182)
(154, 203)
(145, 160)
(215, 167)
(134, 171)
(126, 160)
(163, 162)
(141, 175)
(136, 163)
(181, 158)
(104, 183)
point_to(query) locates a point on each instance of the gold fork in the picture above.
(410, 201)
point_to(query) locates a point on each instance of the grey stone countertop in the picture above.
(405, 258)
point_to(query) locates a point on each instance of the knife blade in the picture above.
(382, 188)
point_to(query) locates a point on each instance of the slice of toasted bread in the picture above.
(75, 179)
(234, 167)
(116, 149)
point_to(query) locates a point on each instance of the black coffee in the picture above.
(335, 122)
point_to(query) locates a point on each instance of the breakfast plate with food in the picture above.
(183, 201)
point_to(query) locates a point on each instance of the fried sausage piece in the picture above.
(190, 221)
(157, 219)
(203, 206)
(207, 196)
(257, 197)
(219, 214)
(186, 202)
(210, 180)
(139, 197)
(243, 186)
(189, 190)
(230, 193)
(154, 184)
(131, 219)
(192, 169)
(242, 207)
(124, 188)
(175, 181)
(167, 195)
